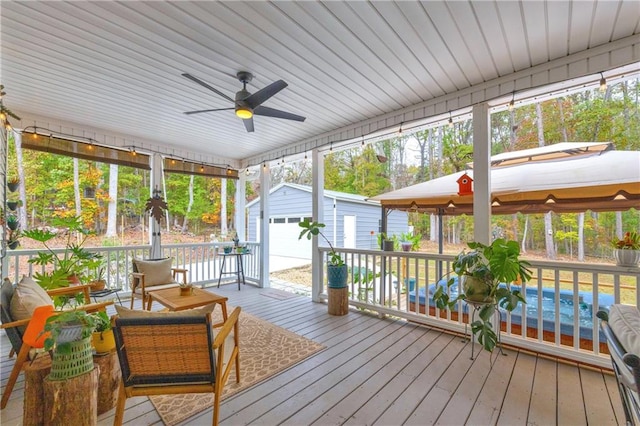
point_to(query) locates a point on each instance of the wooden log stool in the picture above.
(72, 401)
(34, 374)
(108, 381)
(338, 301)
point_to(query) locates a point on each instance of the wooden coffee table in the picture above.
(174, 301)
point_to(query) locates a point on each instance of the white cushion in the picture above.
(624, 320)
(27, 296)
(155, 272)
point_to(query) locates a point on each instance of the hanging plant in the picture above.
(156, 206)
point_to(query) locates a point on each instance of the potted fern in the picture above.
(336, 268)
(485, 274)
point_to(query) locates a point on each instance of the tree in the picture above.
(112, 218)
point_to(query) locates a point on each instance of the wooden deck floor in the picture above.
(389, 372)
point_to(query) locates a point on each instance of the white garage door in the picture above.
(283, 238)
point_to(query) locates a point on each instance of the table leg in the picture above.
(223, 305)
(221, 270)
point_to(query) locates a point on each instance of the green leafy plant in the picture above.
(485, 274)
(410, 238)
(310, 229)
(630, 241)
(74, 260)
(57, 324)
(102, 322)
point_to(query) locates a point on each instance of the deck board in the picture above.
(387, 371)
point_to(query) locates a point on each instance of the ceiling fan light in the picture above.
(244, 112)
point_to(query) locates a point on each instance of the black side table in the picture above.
(106, 292)
(239, 272)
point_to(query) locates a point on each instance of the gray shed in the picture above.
(351, 221)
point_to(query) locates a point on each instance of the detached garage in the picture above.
(351, 221)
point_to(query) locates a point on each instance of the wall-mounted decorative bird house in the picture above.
(465, 185)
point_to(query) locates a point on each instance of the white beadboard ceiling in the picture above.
(116, 66)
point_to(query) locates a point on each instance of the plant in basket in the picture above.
(69, 340)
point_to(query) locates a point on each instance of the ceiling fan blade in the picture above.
(203, 84)
(248, 124)
(206, 110)
(271, 112)
(265, 93)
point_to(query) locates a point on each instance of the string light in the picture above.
(305, 155)
(400, 129)
(603, 83)
(450, 120)
(513, 101)
(202, 168)
(331, 147)
(362, 143)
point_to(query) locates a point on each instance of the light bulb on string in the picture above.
(450, 120)
(603, 83)
(512, 103)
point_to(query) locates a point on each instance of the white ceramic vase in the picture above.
(628, 258)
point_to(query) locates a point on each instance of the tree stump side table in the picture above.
(108, 381)
(73, 401)
(34, 374)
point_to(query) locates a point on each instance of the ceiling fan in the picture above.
(246, 105)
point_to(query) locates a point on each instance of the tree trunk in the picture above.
(76, 186)
(112, 218)
(523, 246)
(223, 208)
(619, 225)
(189, 206)
(548, 236)
(563, 127)
(581, 237)
(73, 401)
(433, 227)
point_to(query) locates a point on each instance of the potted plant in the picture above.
(336, 268)
(386, 243)
(12, 222)
(485, 275)
(96, 276)
(69, 341)
(70, 265)
(12, 183)
(13, 239)
(627, 250)
(102, 336)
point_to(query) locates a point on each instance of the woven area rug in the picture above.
(265, 349)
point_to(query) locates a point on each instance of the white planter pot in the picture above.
(627, 257)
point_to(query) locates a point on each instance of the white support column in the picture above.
(317, 211)
(265, 182)
(481, 174)
(154, 227)
(240, 216)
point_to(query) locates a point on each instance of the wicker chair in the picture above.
(626, 366)
(175, 354)
(143, 283)
(25, 334)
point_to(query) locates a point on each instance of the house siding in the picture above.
(290, 201)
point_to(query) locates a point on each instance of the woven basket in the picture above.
(78, 362)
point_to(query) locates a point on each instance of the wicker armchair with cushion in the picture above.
(621, 326)
(153, 274)
(174, 353)
(18, 304)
